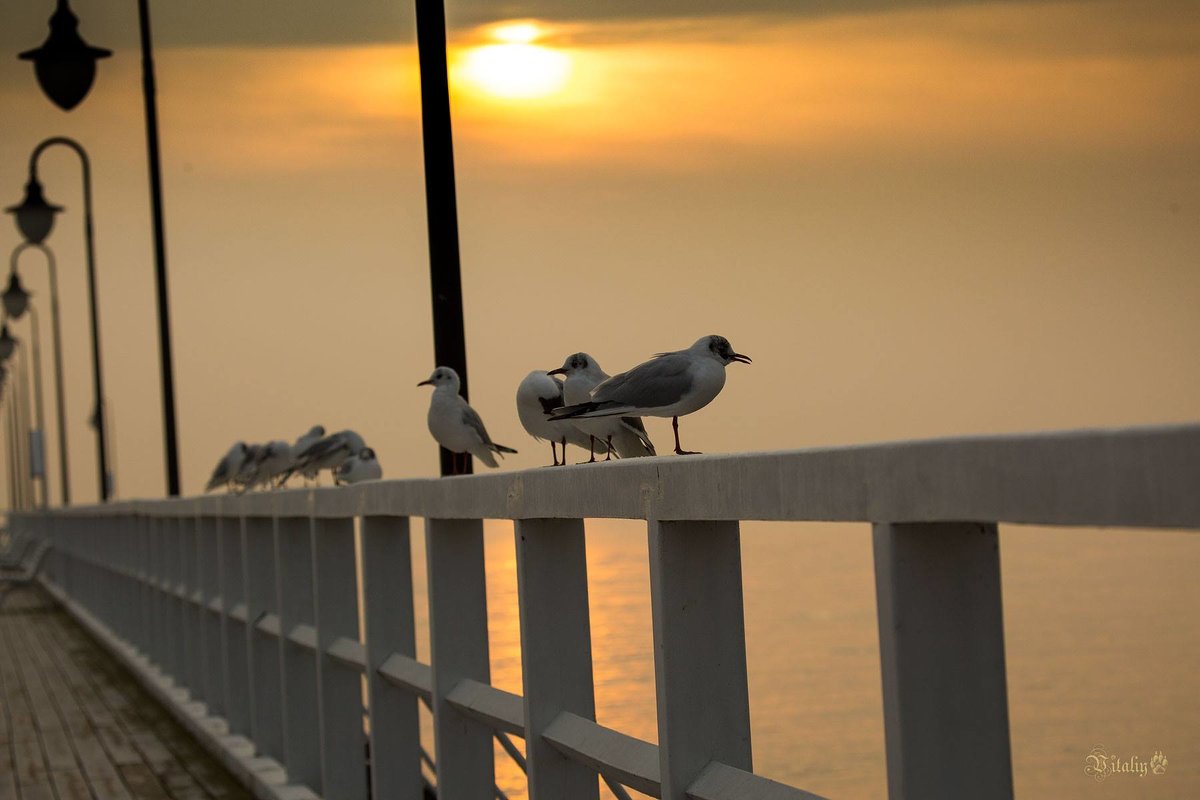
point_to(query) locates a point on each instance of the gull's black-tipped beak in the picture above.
(559, 371)
(425, 383)
(741, 359)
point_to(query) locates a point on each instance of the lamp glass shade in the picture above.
(15, 298)
(65, 64)
(35, 216)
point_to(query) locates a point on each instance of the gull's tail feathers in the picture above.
(608, 408)
(499, 448)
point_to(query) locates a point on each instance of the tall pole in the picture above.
(37, 446)
(445, 279)
(59, 393)
(170, 442)
(97, 379)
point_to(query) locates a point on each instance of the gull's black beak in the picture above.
(741, 359)
(425, 383)
(559, 371)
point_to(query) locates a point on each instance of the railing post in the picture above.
(343, 740)
(192, 673)
(941, 643)
(169, 527)
(233, 634)
(157, 651)
(298, 669)
(699, 650)
(458, 640)
(208, 560)
(388, 598)
(556, 650)
(266, 713)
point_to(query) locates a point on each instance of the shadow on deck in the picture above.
(75, 725)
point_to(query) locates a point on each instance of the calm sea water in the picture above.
(1101, 632)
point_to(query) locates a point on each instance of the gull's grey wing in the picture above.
(472, 420)
(654, 384)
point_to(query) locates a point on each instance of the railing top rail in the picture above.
(1134, 477)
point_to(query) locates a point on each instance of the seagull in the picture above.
(454, 424)
(272, 460)
(362, 466)
(328, 452)
(246, 470)
(627, 435)
(300, 445)
(669, 385)
(227, 467)
(537, 396)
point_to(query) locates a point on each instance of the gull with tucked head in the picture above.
(537, 396)
(669, 385)
(454, 424)
(626, 435)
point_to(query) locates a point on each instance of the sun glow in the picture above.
(516, 69)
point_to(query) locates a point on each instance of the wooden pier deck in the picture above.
(75, 725)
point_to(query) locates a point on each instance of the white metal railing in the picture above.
(242, 612)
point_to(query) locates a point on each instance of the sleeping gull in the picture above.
(362, 466)
(272, 460)
(537, 396)
(454, 424)
(668, 385)
(227, 468)
(626, 435)
(328, 452)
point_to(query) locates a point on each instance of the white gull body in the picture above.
(454, 424)
(539, 394)
(627, 434)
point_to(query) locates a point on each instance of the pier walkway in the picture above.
(74, 725)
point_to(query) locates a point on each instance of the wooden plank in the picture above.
(458, 640)
(723, 782)
(390, 632)
(298, 684)
(70, 784)
(407, 673)
(627, 760)
(343, 739)
(556, 650)
(941, 643)
(699, 650)
(499, 710)
(142, 783)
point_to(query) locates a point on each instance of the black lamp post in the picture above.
(73, 63)
(65, 64)
(445, 278)
(31, 216)
(16, 302)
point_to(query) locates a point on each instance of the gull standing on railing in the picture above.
(537, 396)
(626, 435)
(328, 452)
(272, 460)
(362, 466)
(228, 467)
(454, 424)
(669, 385)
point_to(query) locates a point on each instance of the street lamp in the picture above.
(65, 64)
(35, 216)
(25, 221)
(82, 61)
(15, 301)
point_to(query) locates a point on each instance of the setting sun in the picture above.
(516, 69)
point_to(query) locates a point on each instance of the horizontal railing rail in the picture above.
(242, 612)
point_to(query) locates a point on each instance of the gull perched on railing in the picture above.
(271, 461)
(669, 385)
(454, 424)
(626, 435)
(362, 466)
(537, 396)
(228, 467)
(328, 452)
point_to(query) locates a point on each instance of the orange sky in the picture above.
(946, 220)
